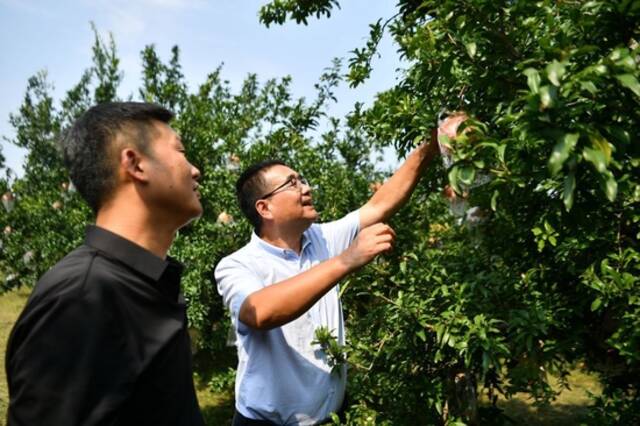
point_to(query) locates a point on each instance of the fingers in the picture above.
(391, 231)
(450, 125)
(383, 237)
(372, 241)
(379, 228)
(384, 247)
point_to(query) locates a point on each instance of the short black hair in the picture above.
(251, 186)
(88, 147)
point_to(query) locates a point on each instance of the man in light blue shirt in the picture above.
(282, 286)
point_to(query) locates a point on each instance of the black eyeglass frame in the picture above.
(292, 180)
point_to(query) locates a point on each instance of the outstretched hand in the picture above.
(448, 127)
(372, 241)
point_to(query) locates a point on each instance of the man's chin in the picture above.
(194, 215)
(313, 215)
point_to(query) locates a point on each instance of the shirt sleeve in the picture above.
(235, 282)
(67, 363)
(340, 233)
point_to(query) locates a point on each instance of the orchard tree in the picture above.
(224, 131)
(531, 262)
(45, 218)
(529, 265)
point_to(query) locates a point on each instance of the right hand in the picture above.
(371, 241)
(449, 126)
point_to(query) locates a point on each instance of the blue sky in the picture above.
(56, 36)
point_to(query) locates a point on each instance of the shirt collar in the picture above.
(278, 251)
(129, 253)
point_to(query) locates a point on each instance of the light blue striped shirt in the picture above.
(282, 376)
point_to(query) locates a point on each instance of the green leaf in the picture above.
(610, 187)
(601, 144)
(569, 190)
(471, 48)
(596, 304)
(627, 63)
(589, 86)
(630, 82)
(501, 149)
(540, 245)
(438, 405)
(533, 79)
(453, 179)
(444, 140)
(548, 96)
(445, 338)
(595, 157)
(555, 71)
(451, 341)
(485, 362)
(439, 331)
(561, 152)
(619, 135)
(548, 227)
(494, 200)
(600, 69)
(467, 175)
(619, 53)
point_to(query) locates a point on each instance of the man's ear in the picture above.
(133, 165)
(263, 207)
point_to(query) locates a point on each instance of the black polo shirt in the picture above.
(103, 340)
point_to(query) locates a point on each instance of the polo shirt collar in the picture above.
(128, 252)
(278, 251)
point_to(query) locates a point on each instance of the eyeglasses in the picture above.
(292, 181)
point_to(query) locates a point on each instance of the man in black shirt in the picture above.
(103, 339)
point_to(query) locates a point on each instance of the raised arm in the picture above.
(398, 189)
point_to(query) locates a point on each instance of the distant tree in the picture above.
(223, 132)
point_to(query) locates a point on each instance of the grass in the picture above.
(568, 409)
(217, 409)
(10, 307)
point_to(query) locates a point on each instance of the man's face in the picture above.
(173, 186)
(291, 202)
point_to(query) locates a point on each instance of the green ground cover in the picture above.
(568, 409)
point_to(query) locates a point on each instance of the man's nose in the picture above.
(305, 188)
(195, 172)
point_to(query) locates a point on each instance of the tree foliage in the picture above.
(279, 11)
(537, 267)
(223, 131)
(531, 267)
